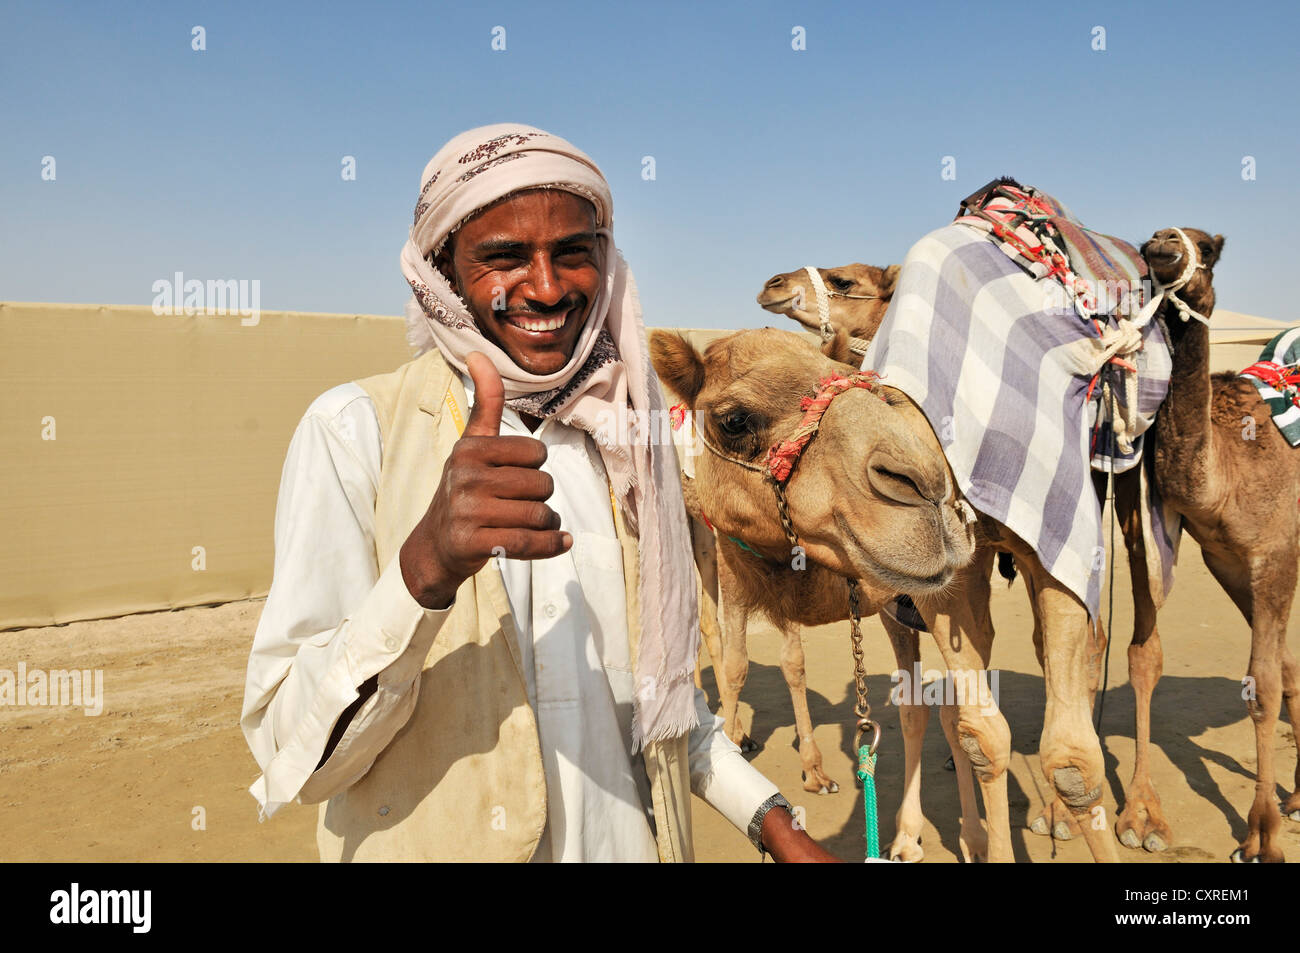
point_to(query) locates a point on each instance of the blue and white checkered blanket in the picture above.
(982, 347)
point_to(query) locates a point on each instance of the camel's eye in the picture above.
(735, 423)
(1206, 251)
(841, 284)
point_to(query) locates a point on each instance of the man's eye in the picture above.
(574, 252)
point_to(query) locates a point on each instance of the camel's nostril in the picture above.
(900, 481)
(776, 282)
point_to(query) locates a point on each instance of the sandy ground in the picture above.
(125, 785)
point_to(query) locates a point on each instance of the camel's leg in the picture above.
(913, 719)
(1142, 823)
(959, 622)
(1055, 819)
(1069, 750)
(1263, 592)
(973, 840)
(735, 666)
(1291, 695)
(792, 667)
(705, 546)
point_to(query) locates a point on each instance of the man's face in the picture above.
(529, 271)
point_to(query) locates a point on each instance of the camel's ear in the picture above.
(837, 347)
(1217, 244)
(889, 281)
(678, 364)
(691, 496)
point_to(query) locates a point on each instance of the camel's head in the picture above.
(859, 296)
(871, 496)
(1169, 257)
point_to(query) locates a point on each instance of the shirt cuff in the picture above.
(736, 789)
(381, 632)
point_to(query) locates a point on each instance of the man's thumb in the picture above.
(489, 396)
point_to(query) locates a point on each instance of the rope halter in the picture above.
(783, 456)
(823, 295)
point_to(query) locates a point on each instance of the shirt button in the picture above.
(550, 610)
(390, 644)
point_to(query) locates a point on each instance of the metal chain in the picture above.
(863, 707)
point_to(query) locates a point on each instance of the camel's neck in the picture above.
(1184, 437)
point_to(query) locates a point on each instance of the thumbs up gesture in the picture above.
(490, 501)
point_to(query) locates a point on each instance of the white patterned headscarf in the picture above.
(608, 375)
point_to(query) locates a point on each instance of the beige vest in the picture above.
(463, 779)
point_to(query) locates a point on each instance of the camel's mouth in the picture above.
(777, 305)
(1164, 262)
(869, 567)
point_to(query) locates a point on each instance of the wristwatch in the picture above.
(756, 824)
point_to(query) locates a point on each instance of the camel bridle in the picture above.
(824, 295)
(778, 468)
(1170, 291)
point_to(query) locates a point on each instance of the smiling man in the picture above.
(481, 633)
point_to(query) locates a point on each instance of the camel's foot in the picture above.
(1142, 823)
(906, 848)
(743, 741)
(1291, 808)
(1250, 852)
(973, 842)
(1240, 856)
(740, 736)
(1057, 821)
(817, 781)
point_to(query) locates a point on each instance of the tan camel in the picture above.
(1226, 469)
(744, 392)
(724, 568)
(857, 297)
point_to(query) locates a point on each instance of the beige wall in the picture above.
(170, 432)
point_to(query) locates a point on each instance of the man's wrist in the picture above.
(430, 593)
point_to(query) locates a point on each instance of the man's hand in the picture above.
(490, 502)
(788, 843)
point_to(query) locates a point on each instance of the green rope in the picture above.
(867, 775)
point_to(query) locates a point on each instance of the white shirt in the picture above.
(331, 621)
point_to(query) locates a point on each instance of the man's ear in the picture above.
(837, 348)
(678, 364)
(889, 281)
(444, 263)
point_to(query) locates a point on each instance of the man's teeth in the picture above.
(538, 324)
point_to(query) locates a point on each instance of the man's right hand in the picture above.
(490, 502)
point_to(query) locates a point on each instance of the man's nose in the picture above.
(543, 284)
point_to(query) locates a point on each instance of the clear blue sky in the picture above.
(226, 163)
